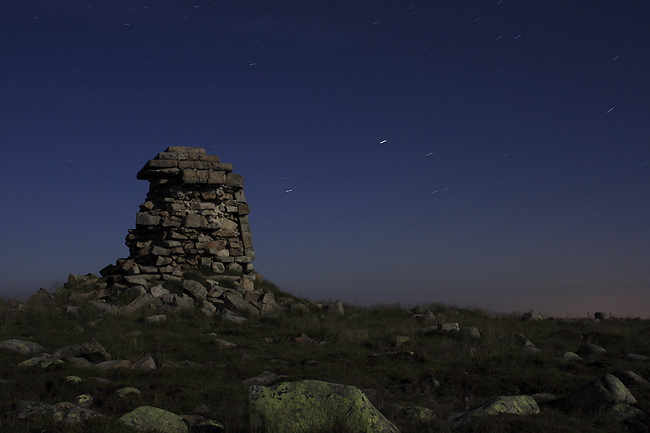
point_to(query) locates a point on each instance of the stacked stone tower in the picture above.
(195, 216)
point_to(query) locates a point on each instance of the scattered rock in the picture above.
(34, 409)
(229, 317)
(21, 346)
(84, 400)
(195, 289)
(91, 351)
(145, 362)
(631, 378)
(401, 340)
(45, 361)
(411, 414)
(446, 327)
(336, 307)
(516, 405)
(208, 426)
(589, 349)
(571, 356)
(79, 414)
(636, 357)
(125, 392)
(158, 318)
(471, 332)
(298, 309)
(597, 394)
(116, 363)
(531, 317)
(265, 378)
(223, 344)
(153, 418)
(310, 405)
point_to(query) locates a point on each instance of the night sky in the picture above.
(491, 154)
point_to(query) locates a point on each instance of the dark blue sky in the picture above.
(478, 153)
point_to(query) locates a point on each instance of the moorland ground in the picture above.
(443, 371)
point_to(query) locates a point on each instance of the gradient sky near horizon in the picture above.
(491, 154)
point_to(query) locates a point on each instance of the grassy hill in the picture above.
(398, 357)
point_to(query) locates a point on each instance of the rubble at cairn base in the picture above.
(195, 216)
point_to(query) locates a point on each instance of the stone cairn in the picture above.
(195, 216)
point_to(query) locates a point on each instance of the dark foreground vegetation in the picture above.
(382, 350)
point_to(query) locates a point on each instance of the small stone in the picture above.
(125, 392)
(158, 318)
(145, 362)
(84, 400)
(447, 327)
(336, 307)
(571, 356)
(223, 344)
(590, 350)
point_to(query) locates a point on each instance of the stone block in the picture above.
(243, 209)
(187, 164)
(211, 158)
(195, 221)
(202, 176)
(146, 219)
(234, 181)
(216, 177)
(189, 176)
(162, 163)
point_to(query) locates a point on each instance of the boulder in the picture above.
(153, 418)
(531, 317)
(265, 378)
(21, 346)
(34, 409)
(512, 404)
(336, 307)
(311, 405)
(91, 351)
(590, 350)
(195, 289)
(597, 394)
(79, 414)
(411, 414)
(471, 332)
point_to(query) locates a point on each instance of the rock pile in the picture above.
(195, 216)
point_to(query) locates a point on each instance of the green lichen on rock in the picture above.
(412, 414)
(511, 404)
(623, 411)
(311, 405)
(153, 418)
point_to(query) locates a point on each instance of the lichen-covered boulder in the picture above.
(311, 405)
(600, 392)
(34, 409)
(153, 418)
(511, 404)
(21, 346)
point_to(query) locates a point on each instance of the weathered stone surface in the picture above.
(598, 393)
(590, 350)
(33, 409)
(310, 405)
(91, 351)
(513, 404)
(153, 418)
(145, 362)
(195, 289)
(79, 414)
(195, 215)
(21, 346)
